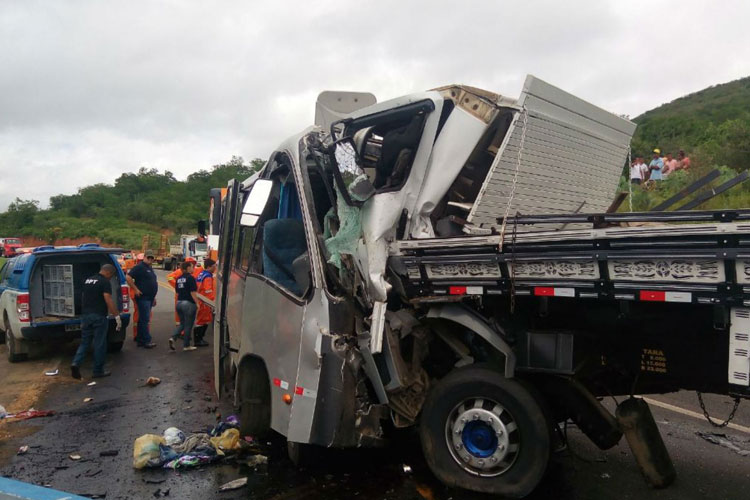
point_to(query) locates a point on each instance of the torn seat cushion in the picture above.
(283, 241)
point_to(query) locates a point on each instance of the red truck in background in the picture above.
(9, 246)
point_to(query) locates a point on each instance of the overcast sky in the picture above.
(92, 89)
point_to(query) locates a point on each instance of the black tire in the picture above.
(519, 459)
(11, 342)
(254, 393)
(114, 346)
(302, 454)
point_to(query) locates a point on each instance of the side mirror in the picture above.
(202, 227)
(256, 202)
(351, 178)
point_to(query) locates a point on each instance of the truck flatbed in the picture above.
(704, 264)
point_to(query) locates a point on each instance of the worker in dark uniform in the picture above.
(187, 305)
(95, 304)
(142, 280)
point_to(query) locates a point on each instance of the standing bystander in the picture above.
(683, 160)
(138, 260)
(656, 166)
(142, 280)
(205, 312)
(638, 171)
(670, 165)
(187, 305)
(96, 302)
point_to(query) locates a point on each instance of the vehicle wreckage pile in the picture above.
(446, 260)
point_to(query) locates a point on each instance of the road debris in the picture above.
(407, 469)
(152, 381)
(88, 400)
(91, 384)
(25, 415)
(257, 460)
(52, 373)
(606, 476)
(3, 413)
(22, 450)
(234, 485)
(735, 444)
(74, 457)
(175, 450)
(109, 453)
(174, 436)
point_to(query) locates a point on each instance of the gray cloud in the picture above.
(92, 89)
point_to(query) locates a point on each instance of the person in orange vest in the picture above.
(206, 289)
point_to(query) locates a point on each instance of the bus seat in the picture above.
(283, 241)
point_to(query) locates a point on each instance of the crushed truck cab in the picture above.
(444, 260)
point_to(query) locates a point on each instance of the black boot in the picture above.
(198, 333)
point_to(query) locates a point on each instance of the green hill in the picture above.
(144, 202)
(712, 126)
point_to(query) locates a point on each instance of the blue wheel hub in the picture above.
(482, 436)
(479, 439)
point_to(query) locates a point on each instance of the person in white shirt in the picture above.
(638, 171)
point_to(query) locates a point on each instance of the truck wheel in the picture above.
(114, 346)
(12, 344)
(484, 432)
(302, 454)
(255, 400)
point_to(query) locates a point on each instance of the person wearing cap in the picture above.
(142, 280)
(206, 289)
(656, 166)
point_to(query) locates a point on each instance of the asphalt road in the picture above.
(123, 409)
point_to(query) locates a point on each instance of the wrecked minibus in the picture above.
(446, 261)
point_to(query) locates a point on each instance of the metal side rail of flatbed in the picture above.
(689, 264)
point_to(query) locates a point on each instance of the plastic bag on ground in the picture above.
(228, 441)
(189, 461)
(231, 422)
(174, 436)
(146, 451)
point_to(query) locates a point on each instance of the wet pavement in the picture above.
(123, 409)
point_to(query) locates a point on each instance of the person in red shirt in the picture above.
(206, 288)
(683, 160)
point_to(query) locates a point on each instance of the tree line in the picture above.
(138, 203)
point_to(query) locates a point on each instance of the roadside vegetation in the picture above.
(144, 202)
(713, 127)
